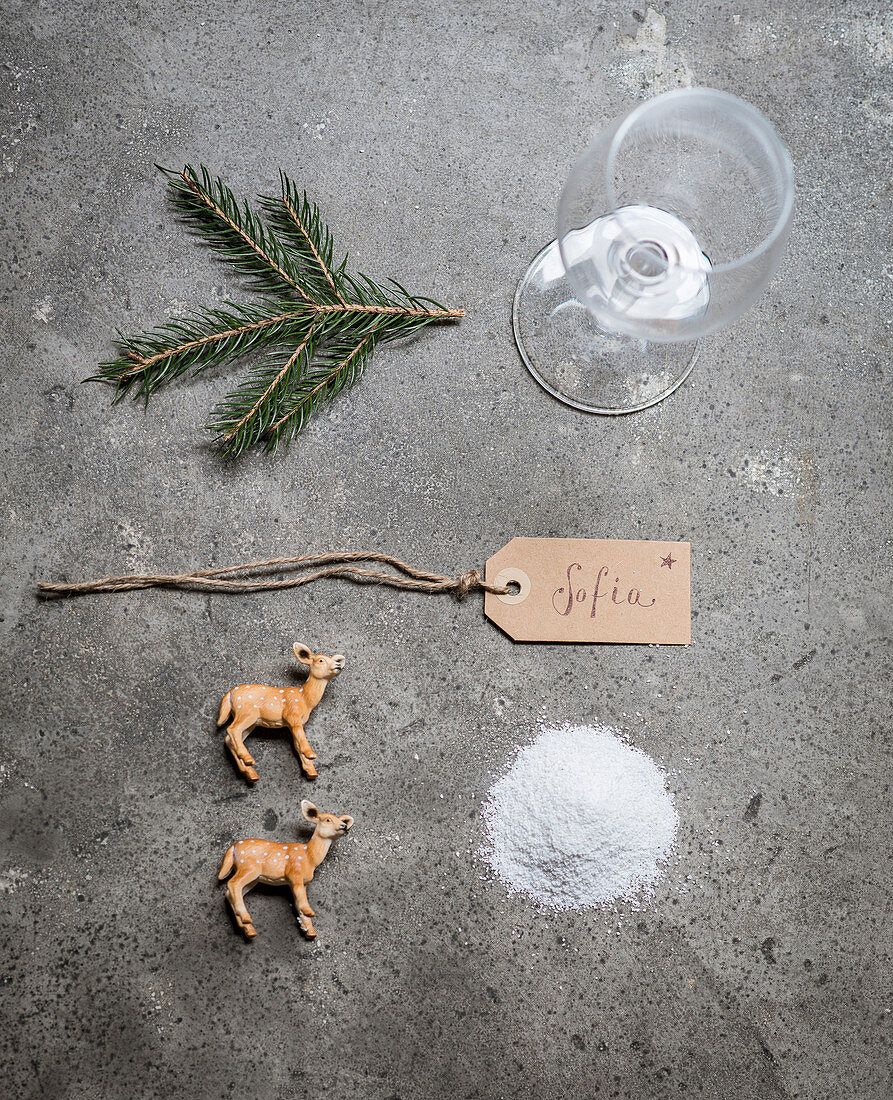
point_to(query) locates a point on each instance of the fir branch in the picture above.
(198, 341)
(318, 327)
(320, 388)
(212, 210)
(298, 223)
(246, 415)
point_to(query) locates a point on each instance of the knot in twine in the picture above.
(241, 578)
(472, 579)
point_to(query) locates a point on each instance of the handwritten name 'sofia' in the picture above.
(565, 598)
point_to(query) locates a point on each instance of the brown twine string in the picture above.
(234, 578)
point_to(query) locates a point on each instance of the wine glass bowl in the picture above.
(670, 225)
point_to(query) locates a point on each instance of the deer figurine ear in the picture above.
(348, 820)
(302, 653)
(309, 810)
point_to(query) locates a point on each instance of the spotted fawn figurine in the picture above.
(250, 705)
(276, 864)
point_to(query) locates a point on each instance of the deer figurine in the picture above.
(251, 705)
(289, 865)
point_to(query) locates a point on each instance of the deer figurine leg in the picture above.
(302, 905)
(236, 745)
(235, 889)
(302, 748)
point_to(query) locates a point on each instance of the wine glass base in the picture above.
(580, 363)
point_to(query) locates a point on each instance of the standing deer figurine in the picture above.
(251, 705)
(281, 865)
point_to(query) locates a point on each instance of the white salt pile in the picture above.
(580, 818)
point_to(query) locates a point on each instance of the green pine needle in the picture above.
(316, 327)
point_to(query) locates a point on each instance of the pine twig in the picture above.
(267, 388)
(198, 341)
(317, 325)
(314, 393)
(296, 220)
(211, 209)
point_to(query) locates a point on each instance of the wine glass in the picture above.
(670, 225)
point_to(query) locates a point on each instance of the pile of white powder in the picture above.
(580, 818)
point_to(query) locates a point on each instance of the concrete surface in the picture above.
(436, 138)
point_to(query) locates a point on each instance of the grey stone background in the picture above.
(436, 138)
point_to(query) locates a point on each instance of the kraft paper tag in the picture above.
(592, 590)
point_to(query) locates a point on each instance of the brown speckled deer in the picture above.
(289, 865)
(251, 705)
